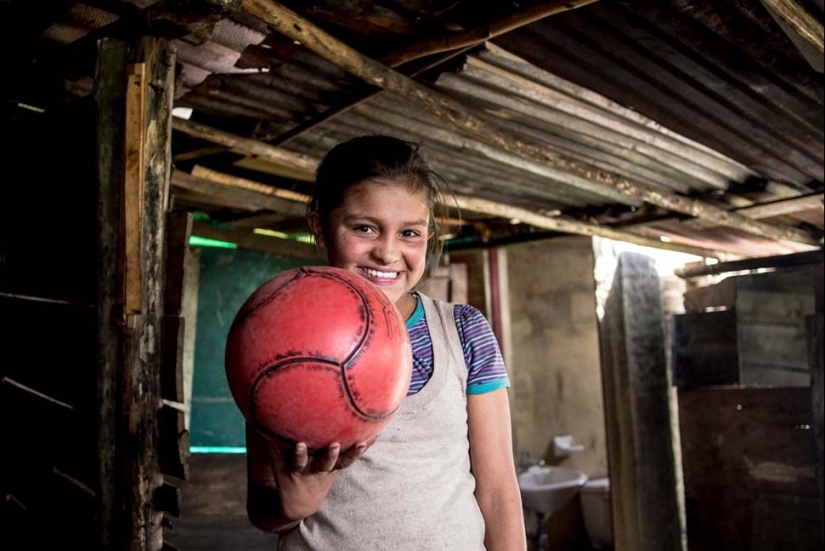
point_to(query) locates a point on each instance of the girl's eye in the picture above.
(410, 233)
(362, 229)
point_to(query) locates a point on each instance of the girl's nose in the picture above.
(387, 250)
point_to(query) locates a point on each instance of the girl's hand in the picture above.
(303, 481)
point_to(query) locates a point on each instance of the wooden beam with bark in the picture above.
(234, 196)
(253, 196)
(774, 208)
(476, 36)
(295, 165)
(804, 23)
(297, 28)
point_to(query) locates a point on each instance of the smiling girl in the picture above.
(441, 475)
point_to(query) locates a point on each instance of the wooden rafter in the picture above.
(449, 46)
(774, 208)
(473, 37)
(800, 20)
(373, 72)
(267, 195)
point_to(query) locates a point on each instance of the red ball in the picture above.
(318, 355)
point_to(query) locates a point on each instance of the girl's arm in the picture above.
(283, 490)
(491, 456)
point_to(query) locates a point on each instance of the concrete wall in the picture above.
(554, 353)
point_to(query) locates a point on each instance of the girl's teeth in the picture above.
(383, 275)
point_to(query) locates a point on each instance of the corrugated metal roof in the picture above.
(686, 96)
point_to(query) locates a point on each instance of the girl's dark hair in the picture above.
(369, 158)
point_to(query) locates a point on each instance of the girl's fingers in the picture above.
(300, 457)
(348, 457)
(329, 459)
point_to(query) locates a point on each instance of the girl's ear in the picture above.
(315, 227)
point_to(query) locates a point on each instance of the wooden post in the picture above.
(129, 389)
(637, 389)
(292, 25)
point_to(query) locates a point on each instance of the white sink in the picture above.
(546, 489)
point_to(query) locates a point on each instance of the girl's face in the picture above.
(380, 232)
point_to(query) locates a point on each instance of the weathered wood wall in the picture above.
(48, 292)
(758, 339)
(748, 460)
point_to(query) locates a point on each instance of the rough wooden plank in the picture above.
(178, 230)
(109, 93)
(719, 295)
(168, 499)
(780, 261)
(774, 208)
(748, 464)
(304, 165)
(173, 443)
(642, 461)
(705, 349)
(805, 24)
(133, 185)
(141, 392)
(235, 197)
(242, 183)
(297, 28)
(816, 327)
(171, 365)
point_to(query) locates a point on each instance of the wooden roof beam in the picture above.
(774, 208)
(449, 46)
(210, 182)
(297, 28)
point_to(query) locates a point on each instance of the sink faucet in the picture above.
(525, 462)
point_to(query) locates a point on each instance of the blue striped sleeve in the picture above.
(486, 370)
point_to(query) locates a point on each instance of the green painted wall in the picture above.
(227, 278)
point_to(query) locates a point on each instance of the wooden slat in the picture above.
(774, 208)
(800, 20)
(371, 71)
(780, 261)
(168, 499)
(242, 183)
(303, 165)
(171, 365)
(178, 230)
(815, 326)
(134, 184)
(173, 443)
(237, 197)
